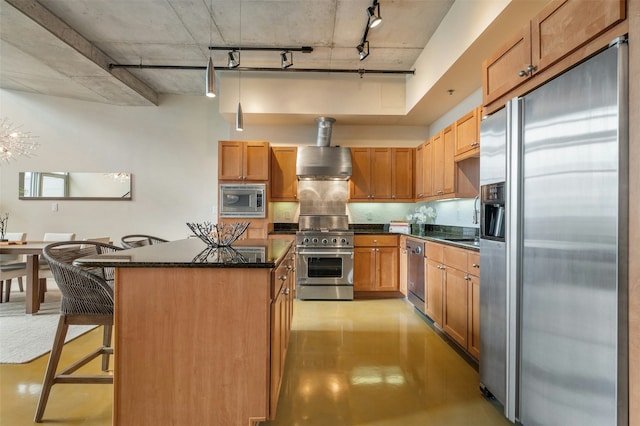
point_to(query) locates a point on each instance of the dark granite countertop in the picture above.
(193, 253)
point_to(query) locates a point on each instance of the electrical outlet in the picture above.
(54, 207)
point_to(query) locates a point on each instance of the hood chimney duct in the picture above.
(325, 125)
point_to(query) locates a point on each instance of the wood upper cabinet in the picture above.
(283, 182)
(381, 174)
(501, 71)
(376, 263)
(467, 130)
(562, 27)
(402, 160)
(240, 161)
(443, 176)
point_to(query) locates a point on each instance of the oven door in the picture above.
(324, 267)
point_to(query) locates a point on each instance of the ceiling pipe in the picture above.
(360, 71)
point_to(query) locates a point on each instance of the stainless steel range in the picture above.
(324, 264)
(324, 244)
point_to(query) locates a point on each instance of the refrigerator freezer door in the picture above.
(570, 319)
(493, 141)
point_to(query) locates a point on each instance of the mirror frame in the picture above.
(106, 175)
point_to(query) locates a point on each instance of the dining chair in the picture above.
(87, 299)
(139, 240)
(43, 267)
(12, 266)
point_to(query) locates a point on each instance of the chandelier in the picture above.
(14, 142)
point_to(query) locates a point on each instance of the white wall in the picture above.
(171, 151)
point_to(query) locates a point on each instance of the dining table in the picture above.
(32, 250)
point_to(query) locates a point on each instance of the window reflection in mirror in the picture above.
(74, 185)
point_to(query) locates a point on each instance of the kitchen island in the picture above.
(200, 334)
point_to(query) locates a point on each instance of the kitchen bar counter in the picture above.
(193, 253)
(201, 333)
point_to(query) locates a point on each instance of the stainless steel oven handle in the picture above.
(302, 253)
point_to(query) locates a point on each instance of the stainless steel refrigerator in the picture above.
(553, 313)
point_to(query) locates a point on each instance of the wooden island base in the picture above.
(192, 346)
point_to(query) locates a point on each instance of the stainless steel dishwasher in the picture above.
(415, 274)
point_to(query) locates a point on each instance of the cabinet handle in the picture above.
(283, 278)
(528, 71)
(475, 265)
(286, 291)
(466, 277)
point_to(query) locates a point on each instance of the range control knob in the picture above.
(315, 240)
(306, 240)
(325, 241)
(343, 241)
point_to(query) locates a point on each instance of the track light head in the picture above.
(363, 50)
(210, 80)
(233, 61)
(374, 19)
(284, 61)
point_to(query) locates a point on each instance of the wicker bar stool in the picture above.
(87, 299)
(139, 240)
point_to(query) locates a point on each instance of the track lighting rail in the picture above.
(303, 49)
(360, 71)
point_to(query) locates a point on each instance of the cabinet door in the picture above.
(455, 305)
(256, 161)
(468, 135)
(364, 268)
(434, 277)
(500, 71)
(381, 173)
(448, 162)
(473, 316)
(402, 174)
(387, 268)
(563, 26)
(361, 174)
(419, 171)
(230, 160)
(277, 341)
(427, 164)
(437, 164)
(283, 182)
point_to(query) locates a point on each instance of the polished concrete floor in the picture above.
(370, 362)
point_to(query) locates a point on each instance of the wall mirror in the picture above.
(74, 186)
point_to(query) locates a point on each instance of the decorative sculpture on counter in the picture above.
(220, 255)
(218, 235)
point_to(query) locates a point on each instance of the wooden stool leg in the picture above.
(20, 286)
(106, 342)
(52, 366)
(1, 291)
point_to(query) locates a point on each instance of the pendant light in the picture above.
(239, 115)
(210, 79)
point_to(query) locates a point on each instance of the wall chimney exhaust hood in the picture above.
(323, 161)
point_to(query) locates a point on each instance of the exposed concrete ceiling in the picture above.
(64, 47)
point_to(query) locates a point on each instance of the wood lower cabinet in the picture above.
(375, 263)
(456, 299)
(283, 280)
(453, 294)
(403, 265)
(284, 182)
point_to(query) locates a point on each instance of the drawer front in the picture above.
(435, 252)
(376, 240)
(455, 258)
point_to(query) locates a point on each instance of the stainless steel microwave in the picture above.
(243, 200)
